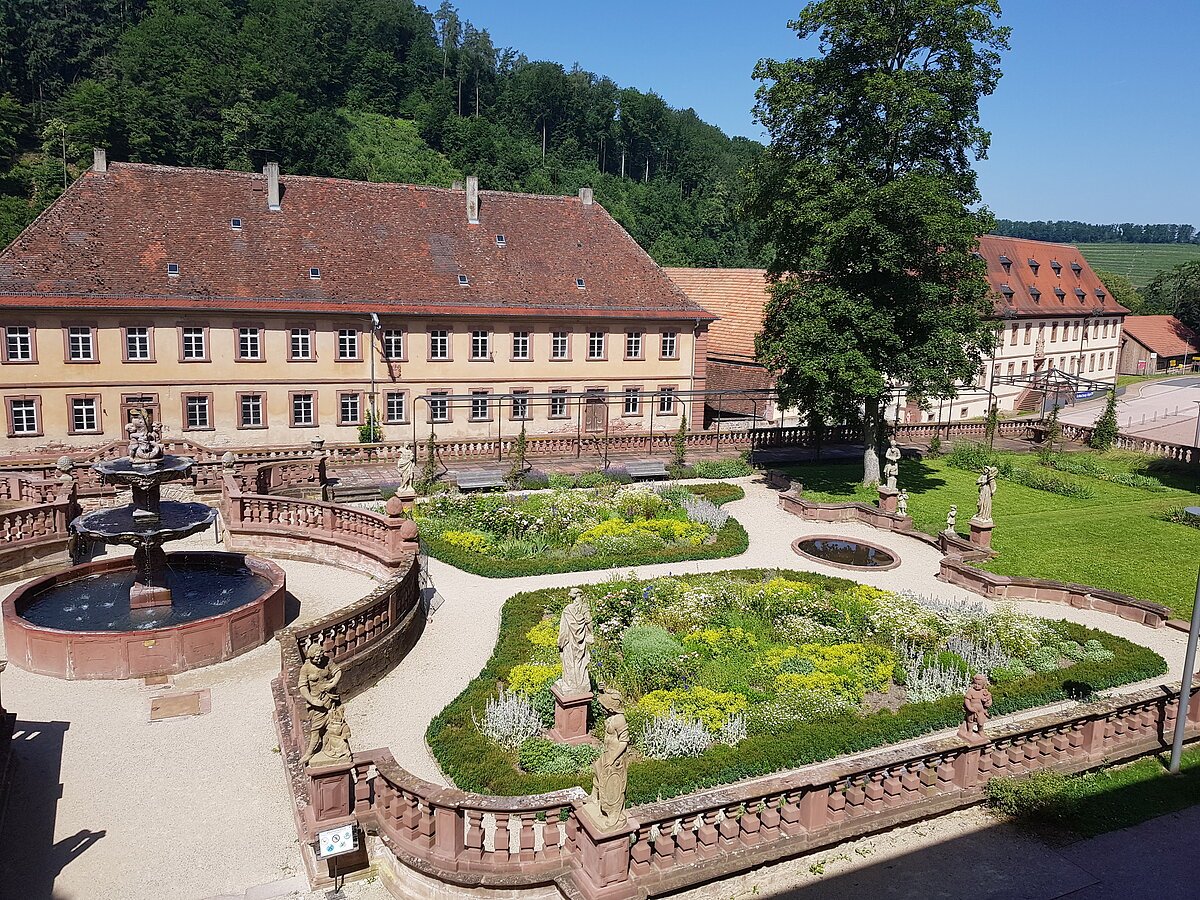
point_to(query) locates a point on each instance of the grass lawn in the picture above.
(1129, 380)
(1138, 262)
(1098, 802)
(1113, 540)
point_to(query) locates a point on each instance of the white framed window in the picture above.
(633, 345)
(395, 407)
(393, 343)
(249, 343)
(84, 414)
(481, 345)
(480, 406)
(560, 346)
(18, 343)
(23, 416)
(196, 411)
(670, 345)
(633, 401)
(348, 343)
(520, 404)
(520, 341)
(300, 342)
(349, 409)
(79, 343)
(666, 401)
(558, 403)
(595, 345)
(194, 343)
(137, 342)
(251, 410)
(439, 344)
(439, 407)
(304, 409)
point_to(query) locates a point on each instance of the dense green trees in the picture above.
(1085, 233)
(1175, 292)
(380, 89)
(867, 193)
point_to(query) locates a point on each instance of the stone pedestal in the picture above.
(603, 857)
(981, 533)
(570, 716)
(973, 738)
(150, 583)
(887, 498)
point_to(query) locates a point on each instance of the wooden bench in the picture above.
(646, 468)
(490, 478)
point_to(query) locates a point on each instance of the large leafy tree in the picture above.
(868, 197)
(1176, 292)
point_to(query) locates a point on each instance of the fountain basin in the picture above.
(123, 525)
(845, 553)
(77, 624)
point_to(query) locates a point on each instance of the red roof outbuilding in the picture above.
(1164, 335)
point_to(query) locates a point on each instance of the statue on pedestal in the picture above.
(607, 802)
(951, 519)
(318, 686)
(335, 743)
(407, 467)
(902, 504)
(891, 469)
(976, 703)
(987, 490)
(145, 439)
(575, 641)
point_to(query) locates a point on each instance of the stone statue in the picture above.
(891, 470)
(976, 703)
(145, 440)
(318, 686)
(335, 744)
(607, 802)
(951, 519)
(407, 467)
(987, 490)
(902, 504)
(575, 641)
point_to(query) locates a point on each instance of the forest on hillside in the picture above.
(1072, 232)
(383, 90)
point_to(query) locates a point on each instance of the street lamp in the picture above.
(1196, 441)
(1185, 687)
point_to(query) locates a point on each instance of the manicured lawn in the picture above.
(1114, 540)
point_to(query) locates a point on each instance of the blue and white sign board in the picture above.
(337, 841)
(1084, 395)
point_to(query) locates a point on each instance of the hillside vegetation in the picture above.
(377, 89)
(1140, 263)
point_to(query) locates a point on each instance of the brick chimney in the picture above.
(473, 199)
(271, 170)
(585, 196)
(99, 160)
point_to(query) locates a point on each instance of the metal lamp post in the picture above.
(1196, 440)
(1185, 688)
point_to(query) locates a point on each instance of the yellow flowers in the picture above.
(529, 678)
(720, 641)
(710, 707)
(474, 541)
(544, 634)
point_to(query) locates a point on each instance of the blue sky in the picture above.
(1097, 117)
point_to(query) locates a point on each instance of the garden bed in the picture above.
(508, 535)
(745, 673)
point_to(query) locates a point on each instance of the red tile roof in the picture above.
(1022, 291)
(379, 247)
(737, 296)
(1164, 335)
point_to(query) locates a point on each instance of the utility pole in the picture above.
(1185, 687)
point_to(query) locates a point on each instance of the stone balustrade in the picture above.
(34, 538)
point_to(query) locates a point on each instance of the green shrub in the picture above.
(1104, 432)
(718, 493)
(540, 756)
(651, 656)
(1026, 797)
(1180, 516)
(722, 468)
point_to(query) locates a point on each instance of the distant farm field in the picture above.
(1138, 262)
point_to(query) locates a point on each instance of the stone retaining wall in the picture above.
(34, 538)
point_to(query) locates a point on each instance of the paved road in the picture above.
(1160, 410)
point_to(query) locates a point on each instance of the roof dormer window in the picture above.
(1076, 268)
(235, 224)
(579, 283)
(314, 273)
(1080, 294)
(1100, 294)
(1033, 265)
(1059, 293)
(1006, 291)
(1056, 266)
(463, 280)
(501, 240)
(1006, 262)
(173, 269)
(1035, 294)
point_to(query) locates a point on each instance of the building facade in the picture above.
(245, 309)
(1154, 344)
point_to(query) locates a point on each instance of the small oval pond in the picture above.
(845, 553)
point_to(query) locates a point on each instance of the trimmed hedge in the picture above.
(730, 541)
(474, 763)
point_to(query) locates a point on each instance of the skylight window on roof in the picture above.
(172, 268)
(501, 240)
(579, 283)
(314, 273)
(463, 280)
(235, 224)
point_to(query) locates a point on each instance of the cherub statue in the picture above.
(902, 504)
(891, 470)
(951, 519)
(976, 703)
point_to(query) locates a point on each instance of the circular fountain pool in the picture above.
(845, 553)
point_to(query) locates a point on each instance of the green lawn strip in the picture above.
(1115, 540)
(1098, 802)
(730, 541)
(475, 763)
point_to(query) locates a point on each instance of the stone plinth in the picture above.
(150, 584)
(603, 872)
(570, 716)
(981, 533)
(888, 498)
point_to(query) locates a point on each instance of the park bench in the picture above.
(646, 468)
(479, 480)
